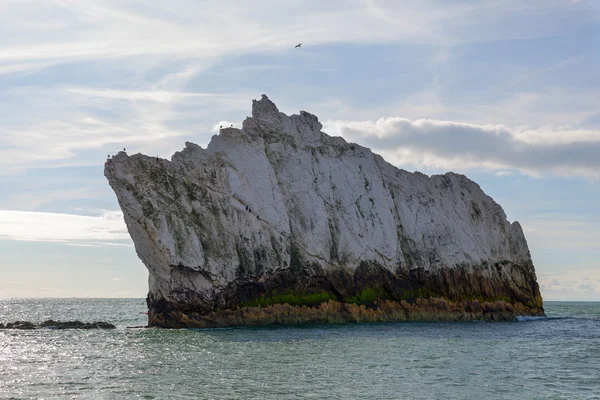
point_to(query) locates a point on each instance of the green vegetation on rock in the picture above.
(369, 296)
(293, 299)
(411, 295)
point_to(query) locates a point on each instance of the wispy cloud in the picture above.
(106, 229)
(83, 119)
(105, 29)
(32, 198)
(575, 285)
(503, 173)
(160, 96)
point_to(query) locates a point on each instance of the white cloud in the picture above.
(571, 286)
(503, 173)
(427, 143)
(159, 96)
(68, 121)
(106, 229)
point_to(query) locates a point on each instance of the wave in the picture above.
(528, 318)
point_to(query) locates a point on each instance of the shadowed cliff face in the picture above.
(280, 223)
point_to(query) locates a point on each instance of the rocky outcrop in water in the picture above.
(51, 324)
(278, 222)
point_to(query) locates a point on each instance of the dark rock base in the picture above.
(430, 309)
(309, 294)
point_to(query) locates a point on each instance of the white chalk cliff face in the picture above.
(279, 222)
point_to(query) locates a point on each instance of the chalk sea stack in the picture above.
(280, 223)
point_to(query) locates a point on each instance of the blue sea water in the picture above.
(550, 358)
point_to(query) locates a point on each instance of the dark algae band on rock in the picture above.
(280, 223)
(366, 296)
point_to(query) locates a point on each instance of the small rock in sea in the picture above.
(103, 325)
(51, 324)
(20, 325)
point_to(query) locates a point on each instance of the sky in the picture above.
(505, 92)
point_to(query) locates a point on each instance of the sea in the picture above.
(557, 357)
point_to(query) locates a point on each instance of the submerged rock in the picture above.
(20, 325)
(51, 324)
(76, 325)
(278, 222)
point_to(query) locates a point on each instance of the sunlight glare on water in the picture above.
(553, 358)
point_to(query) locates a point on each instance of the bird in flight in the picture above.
(298, 45)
